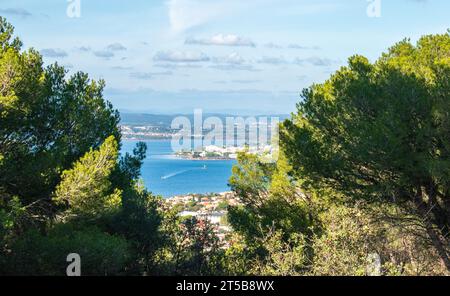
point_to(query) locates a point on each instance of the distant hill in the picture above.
(166, 120)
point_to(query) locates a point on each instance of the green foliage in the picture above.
(270, 199)
(48, 121)
(374, 135)
(380, 132)
(37, 254)
(6, 35)
(85, 189)
(250, 178)
(193, 206)
(59, 143)
(200, 248)
(239, 258)
(283, 258)
(352, 234)
(275, 218)
(11, 214)
(222, 206)
(128, 170)
(139, 221)
(192, 248)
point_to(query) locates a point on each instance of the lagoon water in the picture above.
(167, 175)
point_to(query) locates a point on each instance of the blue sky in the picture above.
(233, 56)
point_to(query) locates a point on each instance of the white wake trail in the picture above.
(181, 172)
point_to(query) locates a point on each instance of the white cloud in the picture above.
(54, 53)
(298, 46)
(104, 54)
(20, 12)
(180, 57)
(272, 60)
(180, 65)
(233, 62)
(223, 40)
(233, 58)
(149, 75)
(273, 45)
(83, 48)
(315, 61)
(116, 47)
(245, 81)
(235, 67)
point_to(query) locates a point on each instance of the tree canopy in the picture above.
(48, 120)
(380, 132)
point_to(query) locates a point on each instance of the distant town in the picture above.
(142, 127)
(148, 132)
(210, 207)
(151, 126)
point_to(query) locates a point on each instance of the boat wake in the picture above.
(169, 176)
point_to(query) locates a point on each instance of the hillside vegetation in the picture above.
(362, 185)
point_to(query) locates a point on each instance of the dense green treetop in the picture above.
(86, 188)
(48, 120)
(381, 131)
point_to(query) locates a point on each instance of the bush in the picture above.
(351, 235)
(37, 254)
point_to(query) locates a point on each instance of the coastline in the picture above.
(168, 175)
(211, 194)
(181, 157)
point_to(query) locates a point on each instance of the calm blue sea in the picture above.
(166, 175)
